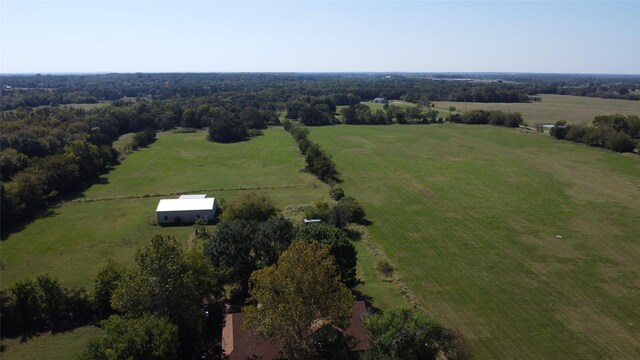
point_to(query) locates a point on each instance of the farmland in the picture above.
(526, 244)
(112, 218)
(552, 108)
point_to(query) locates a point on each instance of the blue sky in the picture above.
(326, 36)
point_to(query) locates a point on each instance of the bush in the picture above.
(385, 267)
(336, 193)
(250, 207)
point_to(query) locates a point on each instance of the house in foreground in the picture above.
(240, 343)
(186, 209)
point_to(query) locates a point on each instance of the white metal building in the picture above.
(186, 209)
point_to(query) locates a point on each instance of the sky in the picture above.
(322, 36)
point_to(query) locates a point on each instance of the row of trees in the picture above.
(31, 306)
(362, 114)
(319, 163)
(614, 132)
(44, 179)
(493, 117)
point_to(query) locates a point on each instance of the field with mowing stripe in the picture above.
(112, 218)
(552, 108)
(528, 245)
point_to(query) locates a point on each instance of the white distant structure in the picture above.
(312, 221)
(186, 209)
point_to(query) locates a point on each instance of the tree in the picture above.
(272, 239)
(226, 127)
(250, 207)
(290, 297)
(340, 247)
(147, 337)
(105, 284)
(167, 281)
(559, 130)
(230, 250)
(403, 335)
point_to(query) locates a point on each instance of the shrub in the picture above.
(385, 267)
(336, 193)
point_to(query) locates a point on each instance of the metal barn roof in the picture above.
(193, 196)
(186, 204)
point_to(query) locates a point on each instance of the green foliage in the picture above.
(403, 335)
(613, 132)
(226, 128)
(250, 207)
(238, 247)
(167, 281)
(34, 306)
(272, 238)
(336, 193)
(340, 247)
(106, 282)
(385, 267)
(355, 211)
(493, 117)
(318, 162)
(288, 298)
(346, 210)
(146, 337)
(559, 131)
(143, 138)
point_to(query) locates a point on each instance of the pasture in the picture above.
(526, 244)
(112, 219)
(552, 108)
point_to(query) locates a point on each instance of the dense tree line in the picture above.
(493, 117)
(32, 306)
(319, 163)
(361, 114)
(614, 132)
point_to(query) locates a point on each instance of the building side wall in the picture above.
(186, 217)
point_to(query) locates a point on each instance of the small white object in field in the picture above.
(559, 236)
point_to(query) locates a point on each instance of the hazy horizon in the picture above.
(590, 38)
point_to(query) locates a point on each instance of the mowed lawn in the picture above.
(552, 108)
(76, 240)
(526, 244)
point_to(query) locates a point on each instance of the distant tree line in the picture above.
(616, 132)
(343, 89)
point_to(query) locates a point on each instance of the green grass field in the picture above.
(78, 237)
(526, 244)
(552, 108)
(59, 346)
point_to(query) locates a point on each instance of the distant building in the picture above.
(380, 100)
(186, 209)
(312, 221)
(239, 342)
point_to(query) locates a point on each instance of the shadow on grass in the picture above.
(48, 204)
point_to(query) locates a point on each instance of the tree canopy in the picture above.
(289, 298)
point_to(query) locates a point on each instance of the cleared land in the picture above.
(112, 218)
(526, 244)
(552, 108)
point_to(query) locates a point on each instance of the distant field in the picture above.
(526, 244)
(552, 108)
(77, 238)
